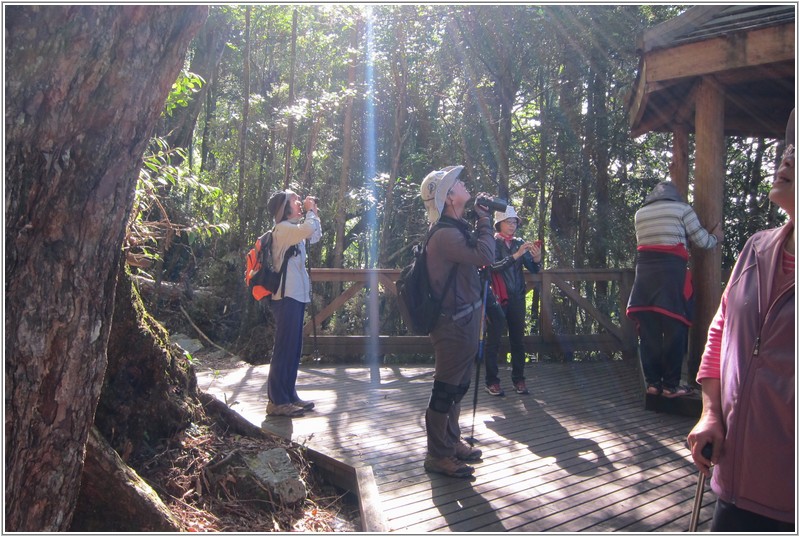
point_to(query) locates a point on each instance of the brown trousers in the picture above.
(455, 345)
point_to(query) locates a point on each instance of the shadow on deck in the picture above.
(580, 453)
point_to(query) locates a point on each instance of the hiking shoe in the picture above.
(494, 389)
(287, 409)
(465, 452)
(449, 466)
(520, 387)
(305, 405)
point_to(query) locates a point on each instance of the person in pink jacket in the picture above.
(748, 377)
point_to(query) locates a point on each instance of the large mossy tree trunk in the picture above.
(149, 396)
(149, 391)
(85, 85)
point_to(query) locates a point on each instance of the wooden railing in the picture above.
(613, 333)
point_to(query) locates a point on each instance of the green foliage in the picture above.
(182, 91)
(162, 183)
(453, 84)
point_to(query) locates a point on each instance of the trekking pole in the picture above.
(479, 356)
(313, 307)
(698, 493)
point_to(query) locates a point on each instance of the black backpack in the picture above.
(419, 308)
(259, 273)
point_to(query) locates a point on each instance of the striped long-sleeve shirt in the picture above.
(670, 222)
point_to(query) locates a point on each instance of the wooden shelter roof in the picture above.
(748, 49)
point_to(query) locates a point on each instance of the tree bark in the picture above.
(148, 388)
(85, 87)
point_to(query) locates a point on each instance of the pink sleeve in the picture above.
(709, 364)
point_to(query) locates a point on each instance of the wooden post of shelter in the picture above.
(679, 165)
(708, 192)
(715, 70)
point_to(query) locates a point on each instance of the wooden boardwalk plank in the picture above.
(579, 454)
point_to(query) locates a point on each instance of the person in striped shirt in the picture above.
(661, 300)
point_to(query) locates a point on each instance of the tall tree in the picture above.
(85, 86)
(243, 129)
(287, 163)
(178, 127)
(499, 46)
(400, 131)
(347, 149)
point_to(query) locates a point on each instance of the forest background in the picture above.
(355, 104)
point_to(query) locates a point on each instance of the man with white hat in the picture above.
(508, 285)
(453, 246)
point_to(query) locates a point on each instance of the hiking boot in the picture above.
(465, 452)
(287, 409)
(305, 405)
(520, 387)
(495, 389)
(449, 466)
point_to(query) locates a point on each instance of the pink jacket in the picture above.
(757, 366)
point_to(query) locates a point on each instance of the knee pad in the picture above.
(443, 396)
(462, 390)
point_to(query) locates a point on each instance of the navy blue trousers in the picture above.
(662, 343)
(286, 351)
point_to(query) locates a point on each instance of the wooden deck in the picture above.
(580, 453)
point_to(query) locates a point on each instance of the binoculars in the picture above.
(494, 204)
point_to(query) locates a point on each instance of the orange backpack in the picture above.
(259, 273)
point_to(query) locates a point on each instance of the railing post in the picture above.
(548, 335)
(631, 341)
(374, 325)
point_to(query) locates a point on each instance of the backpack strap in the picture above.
(452, 276)
(290, 252)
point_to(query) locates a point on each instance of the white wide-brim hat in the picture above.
(434, 189)
(499, 216)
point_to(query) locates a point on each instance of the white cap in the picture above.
(434, 188)
(508, 213)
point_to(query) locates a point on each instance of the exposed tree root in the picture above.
(177, 474)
